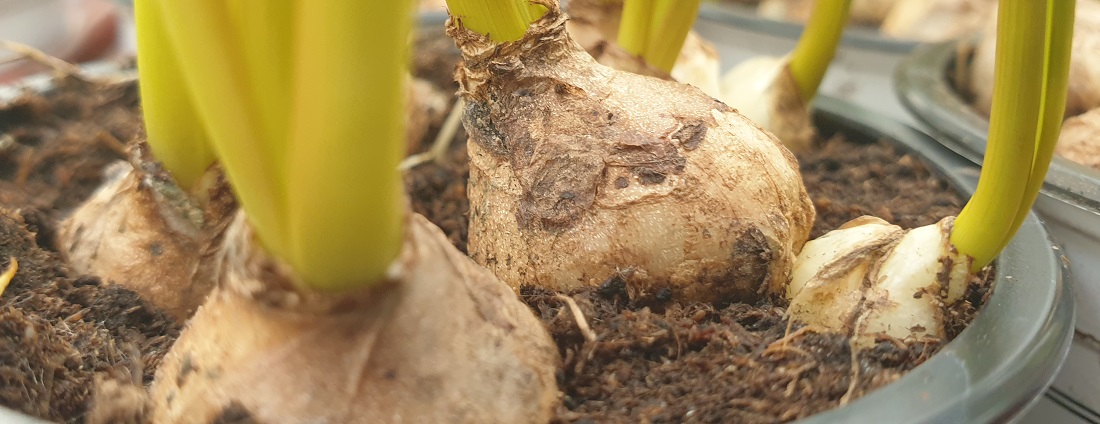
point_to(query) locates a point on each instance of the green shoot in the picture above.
(817, 45)
(656, 29)
(265, 28)
(346, 209)
(670, 24)
(1056, 75)
(172, 125)
(1029, 92)
(214, 68)
(501, 20)
(303, 104)
(634, 26)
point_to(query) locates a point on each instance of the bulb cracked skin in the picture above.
(143, 232)
(579, 172)
(869, 278)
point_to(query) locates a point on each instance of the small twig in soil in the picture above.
(5, 278)
(578, 316)
(442, 139)
(24, 51)
(782, 343)
(797, 376)
(924, 351)
(775, 349)
(112, 143)
(854, 381)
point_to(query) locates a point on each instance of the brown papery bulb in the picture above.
(579, 172)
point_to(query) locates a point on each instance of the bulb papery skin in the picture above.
(1078, 142)
(763, 90)
(870, 279)
(579, 172)
(698, 65)
(1084, 68)
(141, 231)
(439, 341)
(826, 286)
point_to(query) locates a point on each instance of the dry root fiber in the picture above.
(442, 342)
(579, 172)
(143, 232)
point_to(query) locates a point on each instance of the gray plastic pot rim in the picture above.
(745, 17)
(922, 85)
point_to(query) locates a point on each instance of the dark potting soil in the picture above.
(61, 332)
(656, 359)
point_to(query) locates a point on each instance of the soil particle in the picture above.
(54, 158)
(57, 332)
(61, 335)
(848, 179)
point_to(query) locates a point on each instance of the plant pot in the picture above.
(1069, 203)
(996, 368)
(1003, 361)
(745, 17)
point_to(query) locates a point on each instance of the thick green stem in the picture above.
(1030, 80)
(266, 29)
(501, 20)
(1056, 75)
(669, 25)
(175, 132)
(817, 45)
(304, 103)
(346, 205)
(634, 26)
(212, 61)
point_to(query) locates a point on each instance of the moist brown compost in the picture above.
(61, 333)
(653, 358)
(656, 359)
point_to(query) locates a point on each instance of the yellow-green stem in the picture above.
(1033, 43)
(347, 131)
(175, 132)
(634, 26)
(266, 29)
(1059, 31)
(670, 23)
(817, 45)
(501, 20)
(212, 61)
